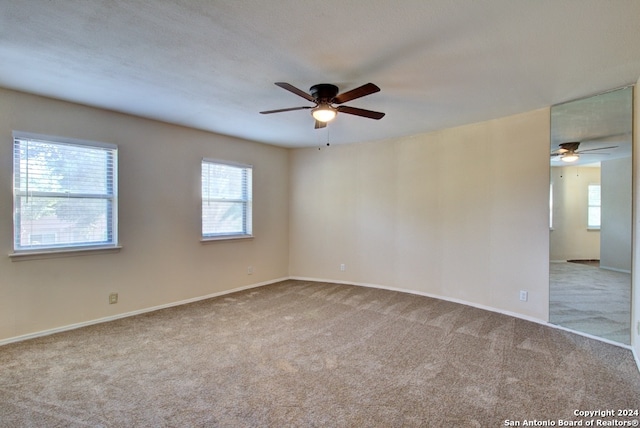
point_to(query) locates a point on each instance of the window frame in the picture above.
(591, 205)
(246, 200)
(110, 196)
(550, 206)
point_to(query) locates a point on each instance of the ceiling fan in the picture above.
(324, 95)
(569, 152)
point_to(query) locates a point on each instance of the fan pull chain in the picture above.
(327, 134)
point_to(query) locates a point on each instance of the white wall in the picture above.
(460, 213)
(570, 239)
(615, 235)
(162, 259)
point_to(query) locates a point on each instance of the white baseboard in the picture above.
(476, 305)
(591, 336)
(132, 313)
(615, 269)
(434, 296)
(601, 266)
(260, 284)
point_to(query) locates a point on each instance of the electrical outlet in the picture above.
(524, 295)
(250, 270)
(113, 298)
(343, 267)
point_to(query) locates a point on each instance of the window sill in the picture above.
(225, 238)
(70, 252)
(593, 229)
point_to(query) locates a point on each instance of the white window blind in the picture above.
(551, 206)
(65, 194)
(593, 215)
(226, 199)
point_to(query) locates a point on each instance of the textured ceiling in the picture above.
(602, 124)
(211, 64)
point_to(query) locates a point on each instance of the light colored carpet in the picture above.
(592, 300)
(309, 354)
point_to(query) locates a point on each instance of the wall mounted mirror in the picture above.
(590, 215)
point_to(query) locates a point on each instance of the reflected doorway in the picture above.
(590, 215)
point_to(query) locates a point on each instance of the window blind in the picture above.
(593, 216)
(65, 194)
(226, 199)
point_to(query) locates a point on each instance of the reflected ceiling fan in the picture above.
(569, 152)
(324, 95)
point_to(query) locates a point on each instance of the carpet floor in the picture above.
(311, 354)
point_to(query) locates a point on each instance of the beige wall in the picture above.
(635, 275)
(162, 259)
(570, 239)
(451, 213)
(460, 213)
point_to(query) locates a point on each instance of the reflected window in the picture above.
(593, 214)
(551, 206)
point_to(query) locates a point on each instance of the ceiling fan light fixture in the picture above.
(570, 157)
(324, 95)
(323, 113)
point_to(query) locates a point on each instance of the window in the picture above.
(593, 215)
(551, 206)
(65, 194)
(226, 200)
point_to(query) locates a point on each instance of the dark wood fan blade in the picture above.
(360, 112)
(296, 91)
(284, 109)
(600, 148)
(363, 90)
(320, 124)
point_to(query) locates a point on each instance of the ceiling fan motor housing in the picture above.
(569, 147)
(324, 92)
